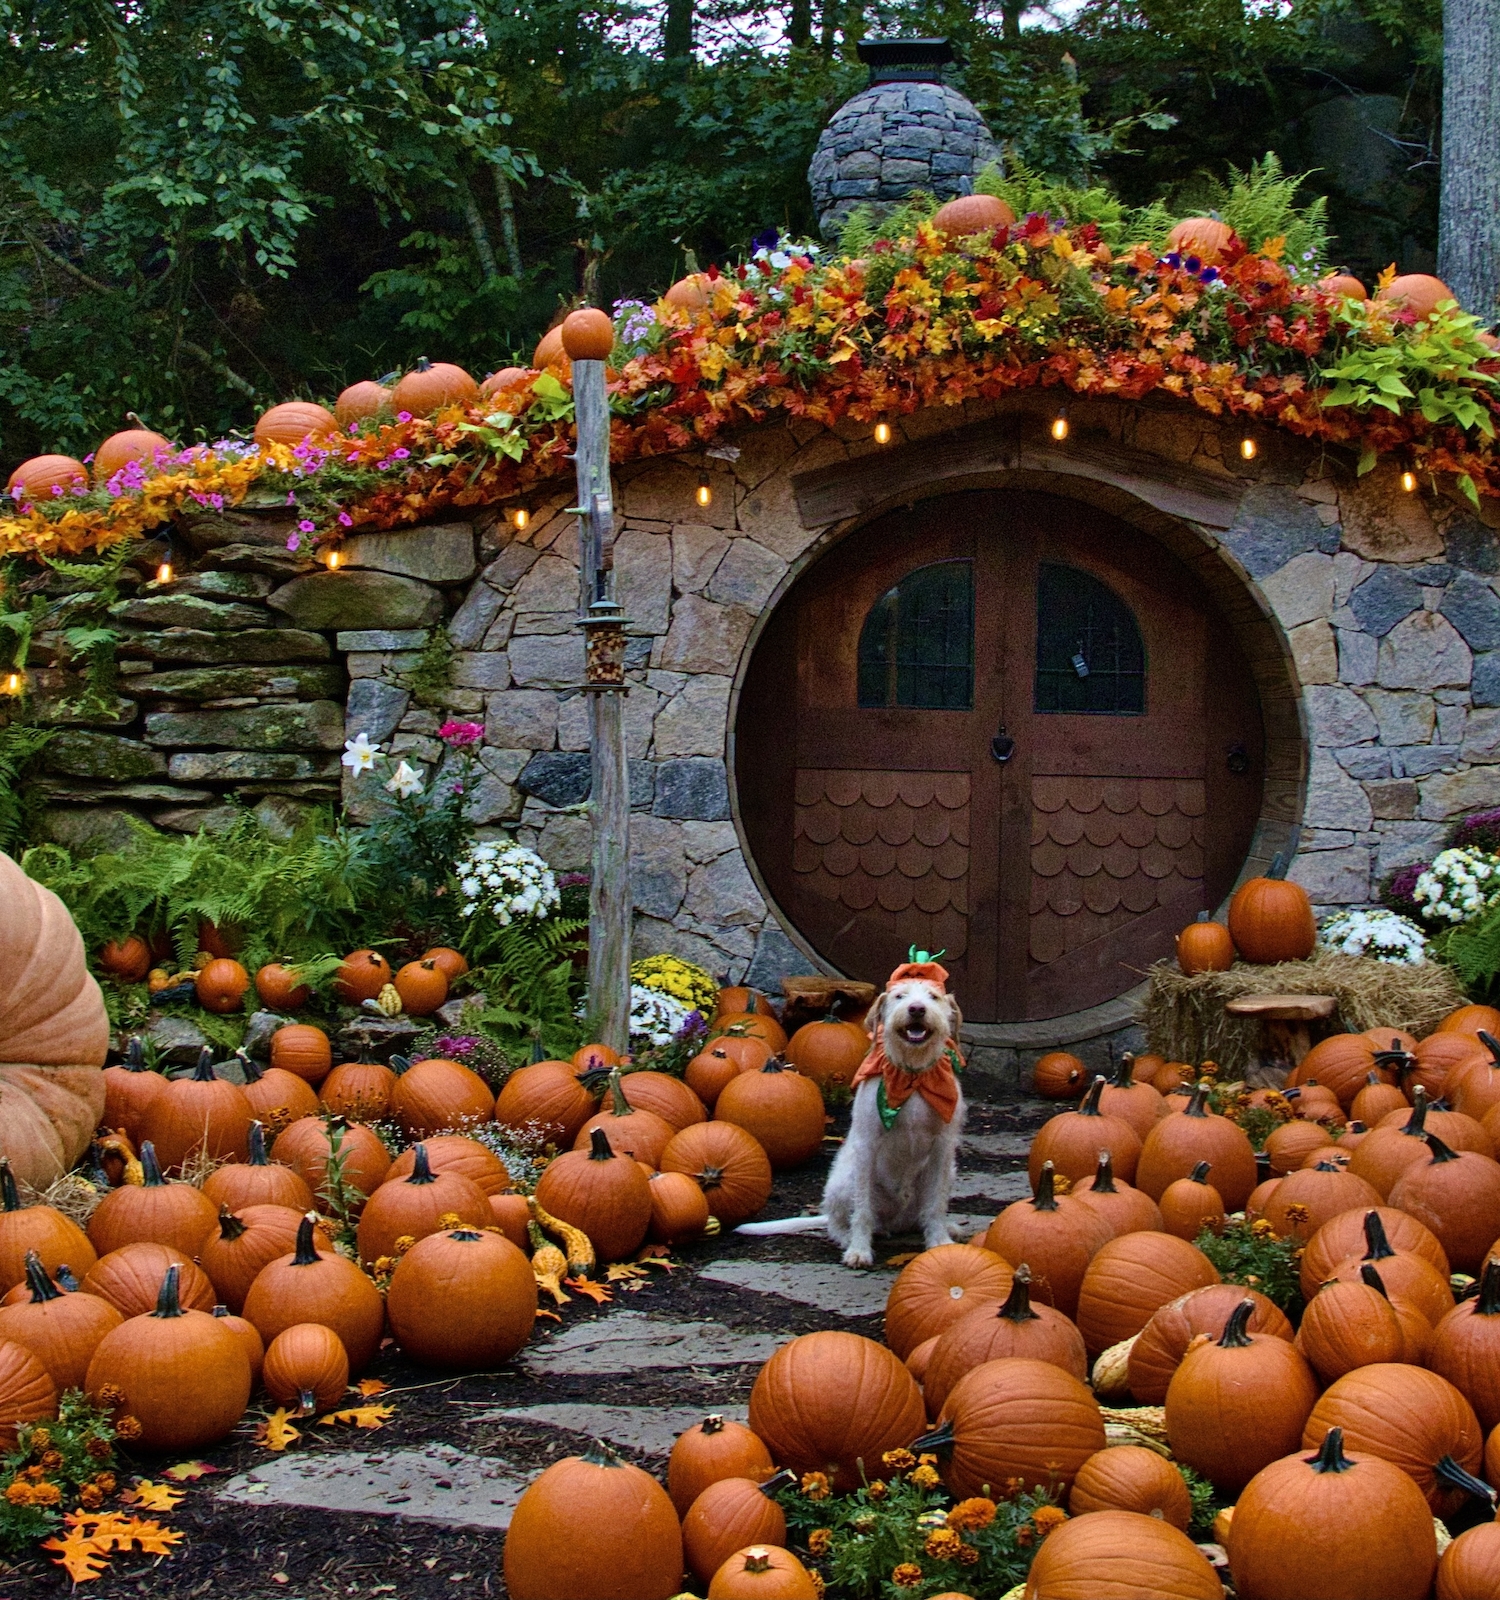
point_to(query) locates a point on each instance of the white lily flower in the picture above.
(406, 781)
(359, 754)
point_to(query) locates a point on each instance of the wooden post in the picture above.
(610, 900)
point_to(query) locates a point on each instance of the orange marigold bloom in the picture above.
(127, 1428)
(91, 1497)
(898, 1460)
(907, 1576)
(40, 1438)
(975, 1513)
(1046, 1518)
(45, 1494)
(925, 1477)
(18, 1493)
(105, 1481)
(815, 1485)
(943, 1544)
(111, 1395)
(820, 1541)
(967, 1555)
(52, 1460)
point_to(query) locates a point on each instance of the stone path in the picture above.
(632, 1341)
(827, 1286)
(650, 1429)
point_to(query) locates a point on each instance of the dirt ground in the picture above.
(234, 1551)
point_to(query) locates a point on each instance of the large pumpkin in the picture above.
(601, 1192)
(1456, 1194)
(40, 1228)
(1130, 1477)
(971, 214)
(782, 1110)
(728, 1516)
(54, 1033)
(1072, 1140)
(593, 1527)
(1465, 1348)
(829, 1052)
(1055, 1235)
(1469, 1568)
(729, 1165)
(829, 1401)
(1271, 920)
(709, 1452)
(309, 1286)
(933, 1291)
(1123, 1207)
(1374, 1233)
(1178, 1143)
(1158, 1349)
(1130, 1278)
(462, 1300)
(293, 422)
(1118, 1555)
(61, 1330)
(38, 477)
(27, 1393)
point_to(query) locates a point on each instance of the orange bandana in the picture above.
(937, 1086)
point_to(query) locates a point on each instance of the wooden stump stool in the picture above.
(1286, 1031)
(810, 999)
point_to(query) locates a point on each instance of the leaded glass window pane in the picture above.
(916, 648)
(1089, 655)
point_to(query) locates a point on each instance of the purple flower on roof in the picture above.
(403, 416)
(400, 454)
(291, 497)
(294, 542)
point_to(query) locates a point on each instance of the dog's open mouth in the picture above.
(916, 1033)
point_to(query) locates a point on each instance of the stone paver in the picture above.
(652, 1429)
(827, 1286)
(1001, 1187)
(440, 1484)
(996, 1145)
(628, 1341)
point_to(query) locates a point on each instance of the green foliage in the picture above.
(20, 744)
(1263, 203)
(1025, 190)
(530, 983)
(53, 1467)
(1251, 1254)
(1205, 1503)
(430, 676)
(1473, 951)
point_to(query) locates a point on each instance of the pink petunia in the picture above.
(461, 734)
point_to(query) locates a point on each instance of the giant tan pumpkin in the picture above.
(53, 1033)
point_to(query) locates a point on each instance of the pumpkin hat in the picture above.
(923, 966)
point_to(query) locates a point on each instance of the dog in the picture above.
(895, 1170)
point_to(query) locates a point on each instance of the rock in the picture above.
(824, 1285)
(176, 1039)
(521, 719)
(1474, 609)
(1358, 653)
(507, 569)
(632, 1341)
(355, 600)
(374, 708)
(557, 778)
(254, 645)
(1417, 760)
(705, 637)
(747, 576)
(274, 561)
(1395, 801)
(93, 828)
(1302, 589)
(1451, 794)
(234, 683)
(71, 711)
(197, 819)
(722, 894)
(364, 639)
(315, 725)
(480, 669)
(265, 526)
(257, 1041)
(281, 815)
(1468, 543)
(1402, 718)
(1383, 599)
(1315, 652)
(79, 754)
(215, 585)
(643, 579)
(1424, 652)
(694, 722)
(228, 1070)
(1486, 684)
(563, 841)
(1383, 523)
(451, 1013)
(642, 785)
(236, 766)
(103, 793)
(652, 1430)
(666, 490)
(1482, 737)
(696, 554)
(1334, 800)
(547, 661)
(440, 553)
(695, 787)
(1334, 877)
(493, 796)
(1406, 844)
(1338, 716)
(372, 1038)
(550, 586)
(1273, 524)
(658, 870)
(188, 611)
(468, 625)
(1365, 762)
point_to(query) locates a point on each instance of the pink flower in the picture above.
(294, 543)
(403, 416)
(461, 734)
(345, 520)
(307, 527)
(291, 497)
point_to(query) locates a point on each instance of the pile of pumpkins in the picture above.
(1270, 920)
(1337, 1442)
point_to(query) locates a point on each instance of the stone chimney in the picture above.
(907, 130)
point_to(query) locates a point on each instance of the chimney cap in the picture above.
(906, 60)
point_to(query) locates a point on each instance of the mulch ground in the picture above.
(234, 1551)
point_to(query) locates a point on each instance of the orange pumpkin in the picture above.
(939, 1286)
(128, 959)
(1190, 1205)
(293, 422)
(360, 400)
(504, 379)
(202, 1113)
(153, 1211)
(44, 478)
(731, 1515)
(641, 1134)
(1121, 1553)
(452, 1152)
(302, 1050)
(763, 1569)
(1343, 285)
(691, 293)
(709, 1452)
(829, 1052)
(436, 1095)
(588, 334)
(727, 1163)
(1072, 1140)
(449, 962)
(432, 385)
(310, 1286)
(309, 1143)
(1179, 1142)
(423, 987)
(1058, 1076)
(1271, 920)
(782, 1110)
(679, 1208)
(462, 1299)
(306, 1367)
(279, 987)
(221, 986)
(670, 1098)
(549, 355)
(1132, 1478)
(971, 214)
(414, 1207)
(1160, 1346)
(548, 1095)
(256, 1182)
(1417, 292)
(1204, 946)
(1124, 1208)
(358, 1090)
(61, 1330)
(604, 1194)
(1130, 1278)
(361, 976)
(1056, 1235)
(1204, 237)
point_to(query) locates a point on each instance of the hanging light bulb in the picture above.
(333, 557)
(705, 494)
(1248, 448)
(520, 517)
(14, 682)
(164, 571)
(1059, 428)
(882, 433)
(1409, 481)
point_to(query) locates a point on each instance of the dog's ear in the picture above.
(875, 1016)
(955, 1017)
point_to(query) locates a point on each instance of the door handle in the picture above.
(1002, 746)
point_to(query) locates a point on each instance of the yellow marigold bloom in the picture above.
(925, 1477)
(18, 1493)
(128, 1428)
(91, 1497)
(1297, 1212)
(1263, 1229)
(878, 1490)
(907, 1576)
(1046, 1518)
(898, 1460)
(815, 1485)
(41, 1438)
(943, 1544)
(45, 1494)
(105, 1482)
(975, 1513)
(820, 1541)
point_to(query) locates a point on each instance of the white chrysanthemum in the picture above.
(1377, 933)
(1459, 886)
(508, 881)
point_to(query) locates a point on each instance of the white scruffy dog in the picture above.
(895, 1171)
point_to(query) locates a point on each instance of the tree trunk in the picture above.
(481, 237)
(799, 24)
(1469, 207)
(1011, 12)
(507, 204)
(677, 33)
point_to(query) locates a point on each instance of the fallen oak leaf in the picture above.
(370, 1387)
(623, 1269)
(595, 1291)
(82, 1556)
(362, 1416)
(152, 1496)
(186, 1471)
(277, 1432)
(105, 1528)
(552, 1314)
(153, 1539)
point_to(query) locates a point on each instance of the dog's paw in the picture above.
(938, 1236)
(855, 1257)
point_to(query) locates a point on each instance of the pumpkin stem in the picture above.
(1492, 1044)
(41, 1286)
(1104, 1174)
(253, 1070)
(1234, 1336)
(1489, 1290)
(423, 364)
(757, 1559)
(166, 1302)
(1397, 1058)
(306, 1253)
(941, 1438)
(1356, 1126)
(135, 1056)
(599, 1454)
(221, 1310)
(230, 1226)
(1330, 1456)
(1043, 1197)
(1415, 1124)
(1377, 1245)
(1089, 1106)
(203, 1072)
(777, 1482)
(151, 1176)
(1200, 1173)
(400, 1064)
(1441, 1153)
(1197, 1101)
(599, 1147)
(1017, 1307)
(307, 1403)
(468, 1235)
(1446, 1470)
(713, 1423)
(421, 1170)
(536, 1049)
(619, 1106)
(1124, 1076)
(258, 1157)
(8, 1196)
(1368, 1275)
(774, 1064)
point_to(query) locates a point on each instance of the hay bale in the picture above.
(1184, 1017)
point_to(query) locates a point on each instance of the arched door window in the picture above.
(1089, 655)
(916, 648)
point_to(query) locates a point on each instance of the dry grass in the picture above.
(72, 1194)
(1184, 1018)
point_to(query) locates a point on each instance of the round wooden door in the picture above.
(1006, 726)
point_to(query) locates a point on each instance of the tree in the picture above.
(1469, 210)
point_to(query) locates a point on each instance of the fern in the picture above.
(1261, 204)
(20, 744)
(1025, 190)
(1473, 951)
(531, 987)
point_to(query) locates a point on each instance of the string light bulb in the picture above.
(14, 682)
(705, 494)
(882, 433)
(333, 557)
(1409, 481)
(1059, 428)
(1248, 448)
(164, 571)
(520, 517)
